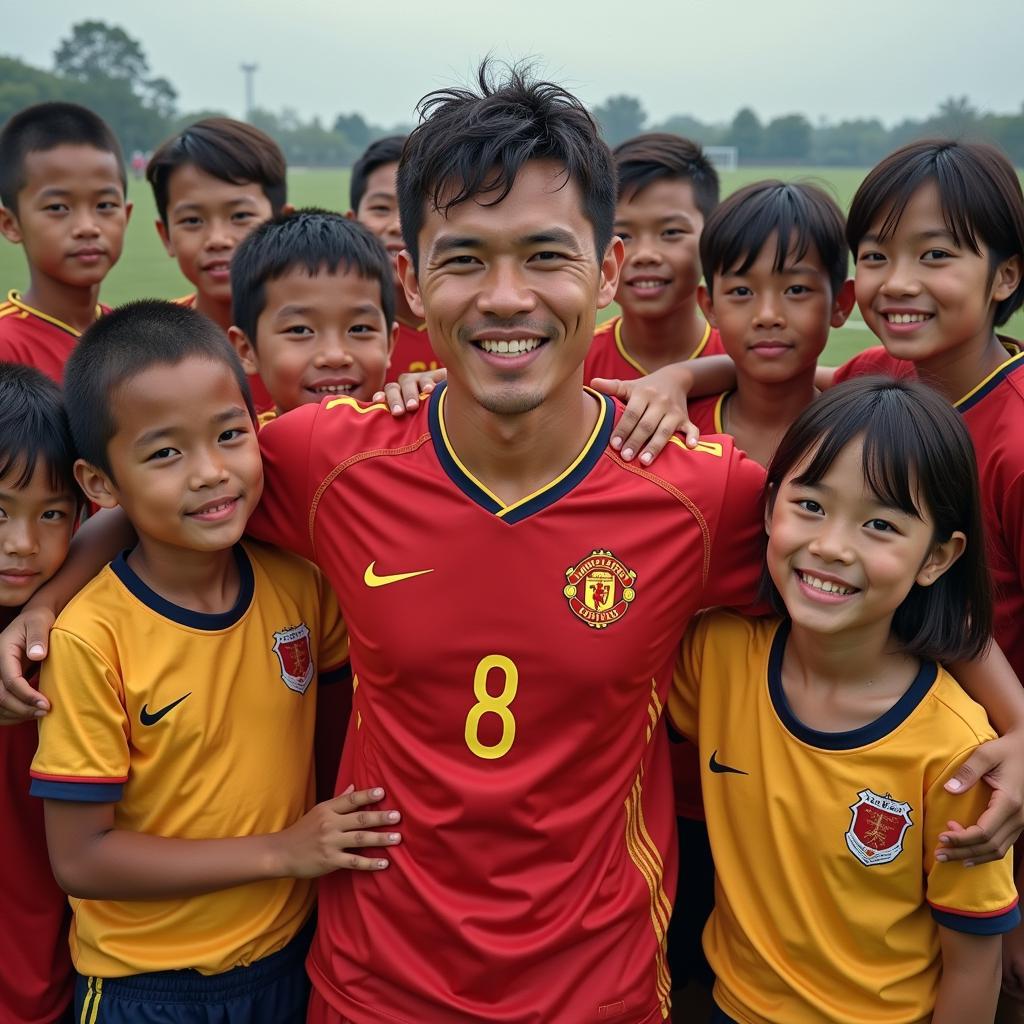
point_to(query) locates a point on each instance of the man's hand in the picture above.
(1000, 763)
(24, 642)
(405, 395)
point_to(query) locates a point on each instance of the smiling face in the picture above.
(660, 228)
(36, 523)
(840, 557)
(318, 335)
(922, 294)
(775, 323)
(71, 214)
(510, 291)
(185, 464)
(206, 220)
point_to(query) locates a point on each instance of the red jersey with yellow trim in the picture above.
(34, 338)
(412, 352)
(260, 395)
(37, 980)
(873, 360)
(608, 356)
(993, 413)
(510, 673)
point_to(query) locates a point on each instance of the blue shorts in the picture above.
(274, 990)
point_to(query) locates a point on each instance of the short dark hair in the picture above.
(918, 457)
(475, 143)
(315, 241)
(660, 156)
(120, 346)
(34, 429)
(46, 126)
(979, 191)
(377, 154)
(226, 149)
(798, 213)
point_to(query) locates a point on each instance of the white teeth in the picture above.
(647, 284)
(825, 586)
(907, 318)
(515, 347)
(333, 389)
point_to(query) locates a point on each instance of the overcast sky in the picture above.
(883, 58)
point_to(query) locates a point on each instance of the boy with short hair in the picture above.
(62, 186)
(374, 202)
(667, 189)
(183, 686)
(40, 501)
(213, 183)
(313, 309)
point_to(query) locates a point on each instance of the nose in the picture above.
(332, 351)
(768, 313)
(504, 290)
(831, 542)
(643, 250)
(900, 278)
(207, 468)
(20, 538)
(85, 225)
(218, 235)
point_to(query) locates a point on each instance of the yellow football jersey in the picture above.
(194, 726)
(827, 893)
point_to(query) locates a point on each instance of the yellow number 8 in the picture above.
(495, 705)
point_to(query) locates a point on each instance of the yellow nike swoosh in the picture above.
(371, 579)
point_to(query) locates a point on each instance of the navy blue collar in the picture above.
(185, 616)
(859, 737)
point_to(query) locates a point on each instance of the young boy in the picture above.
(313, 309)
(214, 183)
(62, 186)
(667, 189)
(39, 502)
(176, 762)
(374, 202)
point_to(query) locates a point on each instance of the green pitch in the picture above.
(145, 270)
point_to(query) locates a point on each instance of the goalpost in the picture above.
(723, 158)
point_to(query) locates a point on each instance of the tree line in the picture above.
(103, 67)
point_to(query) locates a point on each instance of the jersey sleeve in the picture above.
(282, 516)
(684, 695)
(83, 752)
(872, 360)
(333, 654)
(738, 541)
(981, 900)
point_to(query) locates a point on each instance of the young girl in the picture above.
(826, 734)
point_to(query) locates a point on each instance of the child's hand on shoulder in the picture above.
(322, 840)
(406, 393)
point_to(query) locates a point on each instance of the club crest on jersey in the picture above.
(877, 828)
(291, 646)
(599, 589)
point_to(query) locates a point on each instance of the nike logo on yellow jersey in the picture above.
(147, 717)
(371, 579)
(718, 768)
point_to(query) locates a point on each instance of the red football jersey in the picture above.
(993, 413)
(412, 352)
(260, 395)
(37, 980)
(34, 338)
(608, 356)
(509, 677)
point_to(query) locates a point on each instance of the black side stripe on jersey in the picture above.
(990, 383)
(543, 498)
(853, 738)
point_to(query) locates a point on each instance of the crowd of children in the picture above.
(280, 616)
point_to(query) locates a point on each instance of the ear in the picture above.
(406, 271)
(128, 207)
(165, 237)
(245, 350)
(96, 485)
(611, 267)
(1007, 278)
(9, 226)
(392, 339)
(707, 306)
(843, 305)
(287, 208)
(940, 558)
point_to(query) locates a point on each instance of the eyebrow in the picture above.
(158, 433)
(920, 236)
(391, 196)
(240, 201)
(53, 496)
(552, 236)
(56, 190)
(824, 488)
(668, 218)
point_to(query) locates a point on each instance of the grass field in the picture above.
(146, 270)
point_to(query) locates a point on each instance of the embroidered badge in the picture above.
(600, 589)
(292, 649)
(877, 828)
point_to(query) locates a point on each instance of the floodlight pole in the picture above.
(249, 70)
